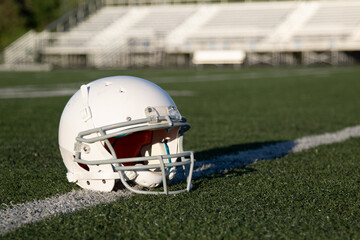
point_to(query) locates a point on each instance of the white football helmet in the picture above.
(124, 128)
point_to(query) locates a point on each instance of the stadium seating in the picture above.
(244, 21)
(332, 20)
(79, 35)
(116, 34)
(161, 20)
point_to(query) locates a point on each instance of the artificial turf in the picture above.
(312, 194)
(308, 195)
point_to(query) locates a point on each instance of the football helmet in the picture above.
(124, 129)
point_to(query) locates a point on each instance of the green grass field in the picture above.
(314, 194)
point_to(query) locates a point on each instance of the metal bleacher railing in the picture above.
(75, 16)
(25, 50)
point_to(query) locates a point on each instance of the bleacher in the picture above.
(240, 26)
(82, 33)
(244, 21)
(332, 21)
(161, 20)
(121, 36)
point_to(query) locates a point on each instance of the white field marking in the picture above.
(37, 92)
(180, 93)
(242, 158)
(30, 212)
(247, 75)
(59, 90)
(20, 214)
(69, 89)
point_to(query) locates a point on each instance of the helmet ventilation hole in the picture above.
(103, 181)
(87, 182)
(84, 166)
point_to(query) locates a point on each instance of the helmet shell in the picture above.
(103, 102)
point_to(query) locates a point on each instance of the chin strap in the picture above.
(73, 177)
(149, 179)
(144, 178)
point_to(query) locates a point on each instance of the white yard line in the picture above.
(55, 91)
(277, 150)
(20, 214)
(239, 75)
(17, 215)
(36, 92)
(68, 89)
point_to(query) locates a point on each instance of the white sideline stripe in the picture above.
(30, 212)
(320, 73)
(68, 89)
(36, 92)
(20, 214)
(226, 162)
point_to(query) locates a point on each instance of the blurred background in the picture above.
(101, 34)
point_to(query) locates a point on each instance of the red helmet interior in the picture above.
(130, 145)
